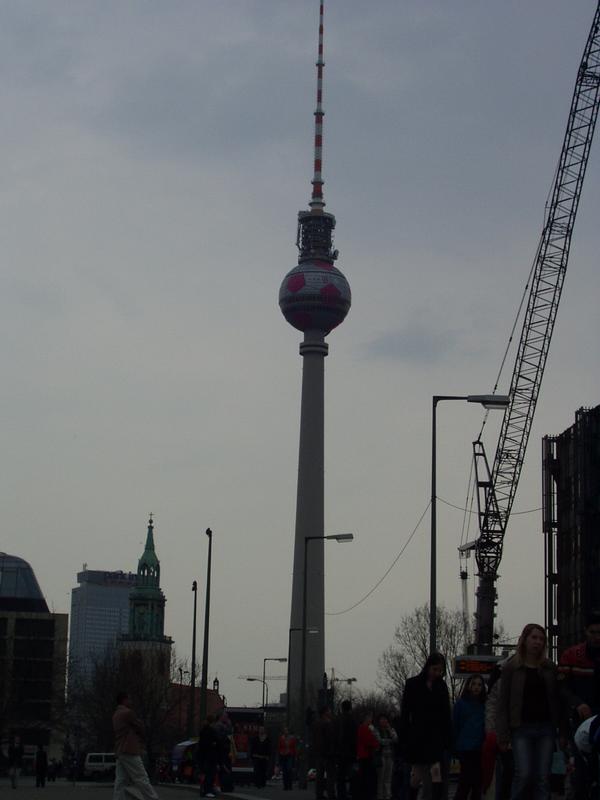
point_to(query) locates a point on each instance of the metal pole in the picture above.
(302, 776)
(288, 720)
(180, 700)
(204, 679)
(433, 575)
(192, 703)
(264, 681)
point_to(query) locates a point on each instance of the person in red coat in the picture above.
(367, 745)
(286, 752)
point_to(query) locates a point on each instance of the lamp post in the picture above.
(264, 687)
(264, 677)
(490, 401)
(339, 537)
(288, 704)
(182, 672)
(192, 703)
(204, 679)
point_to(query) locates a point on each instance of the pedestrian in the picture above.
(324, 754)
(224, 731)
(129, 746)
(426, 727)
(528, 714)
(497, 766)
(41, 767)
(469, 733)
(579, 678)
(345, 748)
(286, 754)
(52, 770)
(260, 752)
(208, 755)
(367, 747)
(385, 767)
(15, 761)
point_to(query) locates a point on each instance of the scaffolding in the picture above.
(571, 527)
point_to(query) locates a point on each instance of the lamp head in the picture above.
(342, 537)
(490, 401)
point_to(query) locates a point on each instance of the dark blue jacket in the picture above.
(469, 724)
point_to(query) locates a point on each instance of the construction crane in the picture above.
(496, 487)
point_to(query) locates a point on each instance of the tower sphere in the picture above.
(315, 296)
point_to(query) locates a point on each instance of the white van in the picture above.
(98, 766)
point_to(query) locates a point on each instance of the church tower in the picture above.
(147, 600)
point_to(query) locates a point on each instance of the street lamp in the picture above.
(264, 677)
(292, 630)
(192, 703)
(340, 538)
(489, 401)
(182, 672)
(204, 679)
(265, 688)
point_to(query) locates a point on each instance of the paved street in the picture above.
(103, 791)
(81, 791)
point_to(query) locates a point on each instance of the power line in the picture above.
(470, 511)
(387, 572)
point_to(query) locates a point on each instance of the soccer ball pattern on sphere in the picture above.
(315, 296)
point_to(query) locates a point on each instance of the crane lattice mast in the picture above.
(497, 489)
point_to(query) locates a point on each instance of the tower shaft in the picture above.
(309, 523)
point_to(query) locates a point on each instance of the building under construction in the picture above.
(571, 519)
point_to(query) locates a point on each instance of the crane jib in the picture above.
(497, 489)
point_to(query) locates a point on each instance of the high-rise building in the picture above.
(571, 519)
(314, 298)
(33, 660)
(99, 615)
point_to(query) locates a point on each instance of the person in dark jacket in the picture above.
(260, 752)
(345, 747)
(579, 678)
(41, 767)
(207, 753)
(528, 714)
(15, 761)
(469, 732)
(324, 752)
(426, 727)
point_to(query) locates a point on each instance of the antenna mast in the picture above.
(317, 203)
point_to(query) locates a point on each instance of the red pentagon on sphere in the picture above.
(296, 282)
(330, 291)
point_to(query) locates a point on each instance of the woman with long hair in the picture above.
(528, 714)
(469, 733)
(425, 727)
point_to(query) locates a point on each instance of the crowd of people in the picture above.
(505, 732)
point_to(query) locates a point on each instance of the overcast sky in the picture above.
(154, 158)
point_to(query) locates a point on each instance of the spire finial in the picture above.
(317, 203)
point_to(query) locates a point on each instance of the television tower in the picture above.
(314, 298)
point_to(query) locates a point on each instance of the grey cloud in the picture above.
(414, 343)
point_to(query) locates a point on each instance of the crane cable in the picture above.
(386, 573)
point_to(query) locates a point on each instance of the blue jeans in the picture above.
(532, 747)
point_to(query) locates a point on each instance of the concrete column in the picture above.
(309, 522)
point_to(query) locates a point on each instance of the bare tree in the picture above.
(408, 652)
(147, 675)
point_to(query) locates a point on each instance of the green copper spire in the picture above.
(146, 601)
(149, 565)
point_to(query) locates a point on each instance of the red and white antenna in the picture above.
(317, 203)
